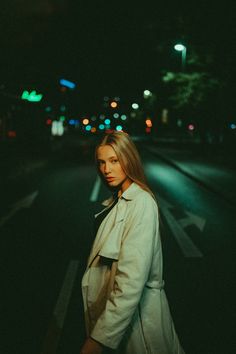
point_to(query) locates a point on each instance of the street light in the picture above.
(147, 93)
(135, 106)
(181, 48)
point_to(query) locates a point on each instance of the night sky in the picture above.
(111, 47)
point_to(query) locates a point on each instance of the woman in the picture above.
(126, 309)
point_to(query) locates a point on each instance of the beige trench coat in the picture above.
(125, 305)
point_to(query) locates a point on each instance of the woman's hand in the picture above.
(91, 347)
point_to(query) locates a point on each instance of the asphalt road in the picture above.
(46, 234)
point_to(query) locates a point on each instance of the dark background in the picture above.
(116, 49)
(111, 46)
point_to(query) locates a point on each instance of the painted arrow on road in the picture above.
(192, 219)
(26, 202)
(185, 243)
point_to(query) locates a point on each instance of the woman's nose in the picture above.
(107, 168)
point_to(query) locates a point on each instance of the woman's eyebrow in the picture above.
(112, 158)
(109, 158)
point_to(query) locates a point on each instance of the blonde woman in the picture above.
(126, 310)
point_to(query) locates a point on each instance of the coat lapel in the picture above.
(108, 239)
(109, 230)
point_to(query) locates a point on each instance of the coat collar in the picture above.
(128, 194)
(131, 192)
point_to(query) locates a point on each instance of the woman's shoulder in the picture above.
(139, 197)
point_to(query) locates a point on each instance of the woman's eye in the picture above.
(114, 161)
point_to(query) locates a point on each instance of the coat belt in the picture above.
(155, 284)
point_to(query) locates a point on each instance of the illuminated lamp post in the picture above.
(181, 48)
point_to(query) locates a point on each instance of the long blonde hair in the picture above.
(128, 157)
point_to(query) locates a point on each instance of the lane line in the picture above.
(185, 243)
(95, 190)
(23, 203)
(53, 335)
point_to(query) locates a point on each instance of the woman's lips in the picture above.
(110, 179)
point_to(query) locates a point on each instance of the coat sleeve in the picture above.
(132, 273)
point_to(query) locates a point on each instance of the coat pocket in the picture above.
(100, 285)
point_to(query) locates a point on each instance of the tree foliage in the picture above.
(190, 89)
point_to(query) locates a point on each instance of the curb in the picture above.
(200, 182)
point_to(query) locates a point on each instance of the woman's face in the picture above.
(111, 169)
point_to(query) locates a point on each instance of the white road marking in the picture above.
(26, 202)
(192, 219)
(185, 243)
(65, 294)
(95, 191)
(59, 314)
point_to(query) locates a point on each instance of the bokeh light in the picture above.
(135, 106)
(113, 104)
(148, 123)
(85, 121)
(191, 127)
(88, 127)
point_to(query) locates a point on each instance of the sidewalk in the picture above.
(214, 169)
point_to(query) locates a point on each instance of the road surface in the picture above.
(46, 234)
